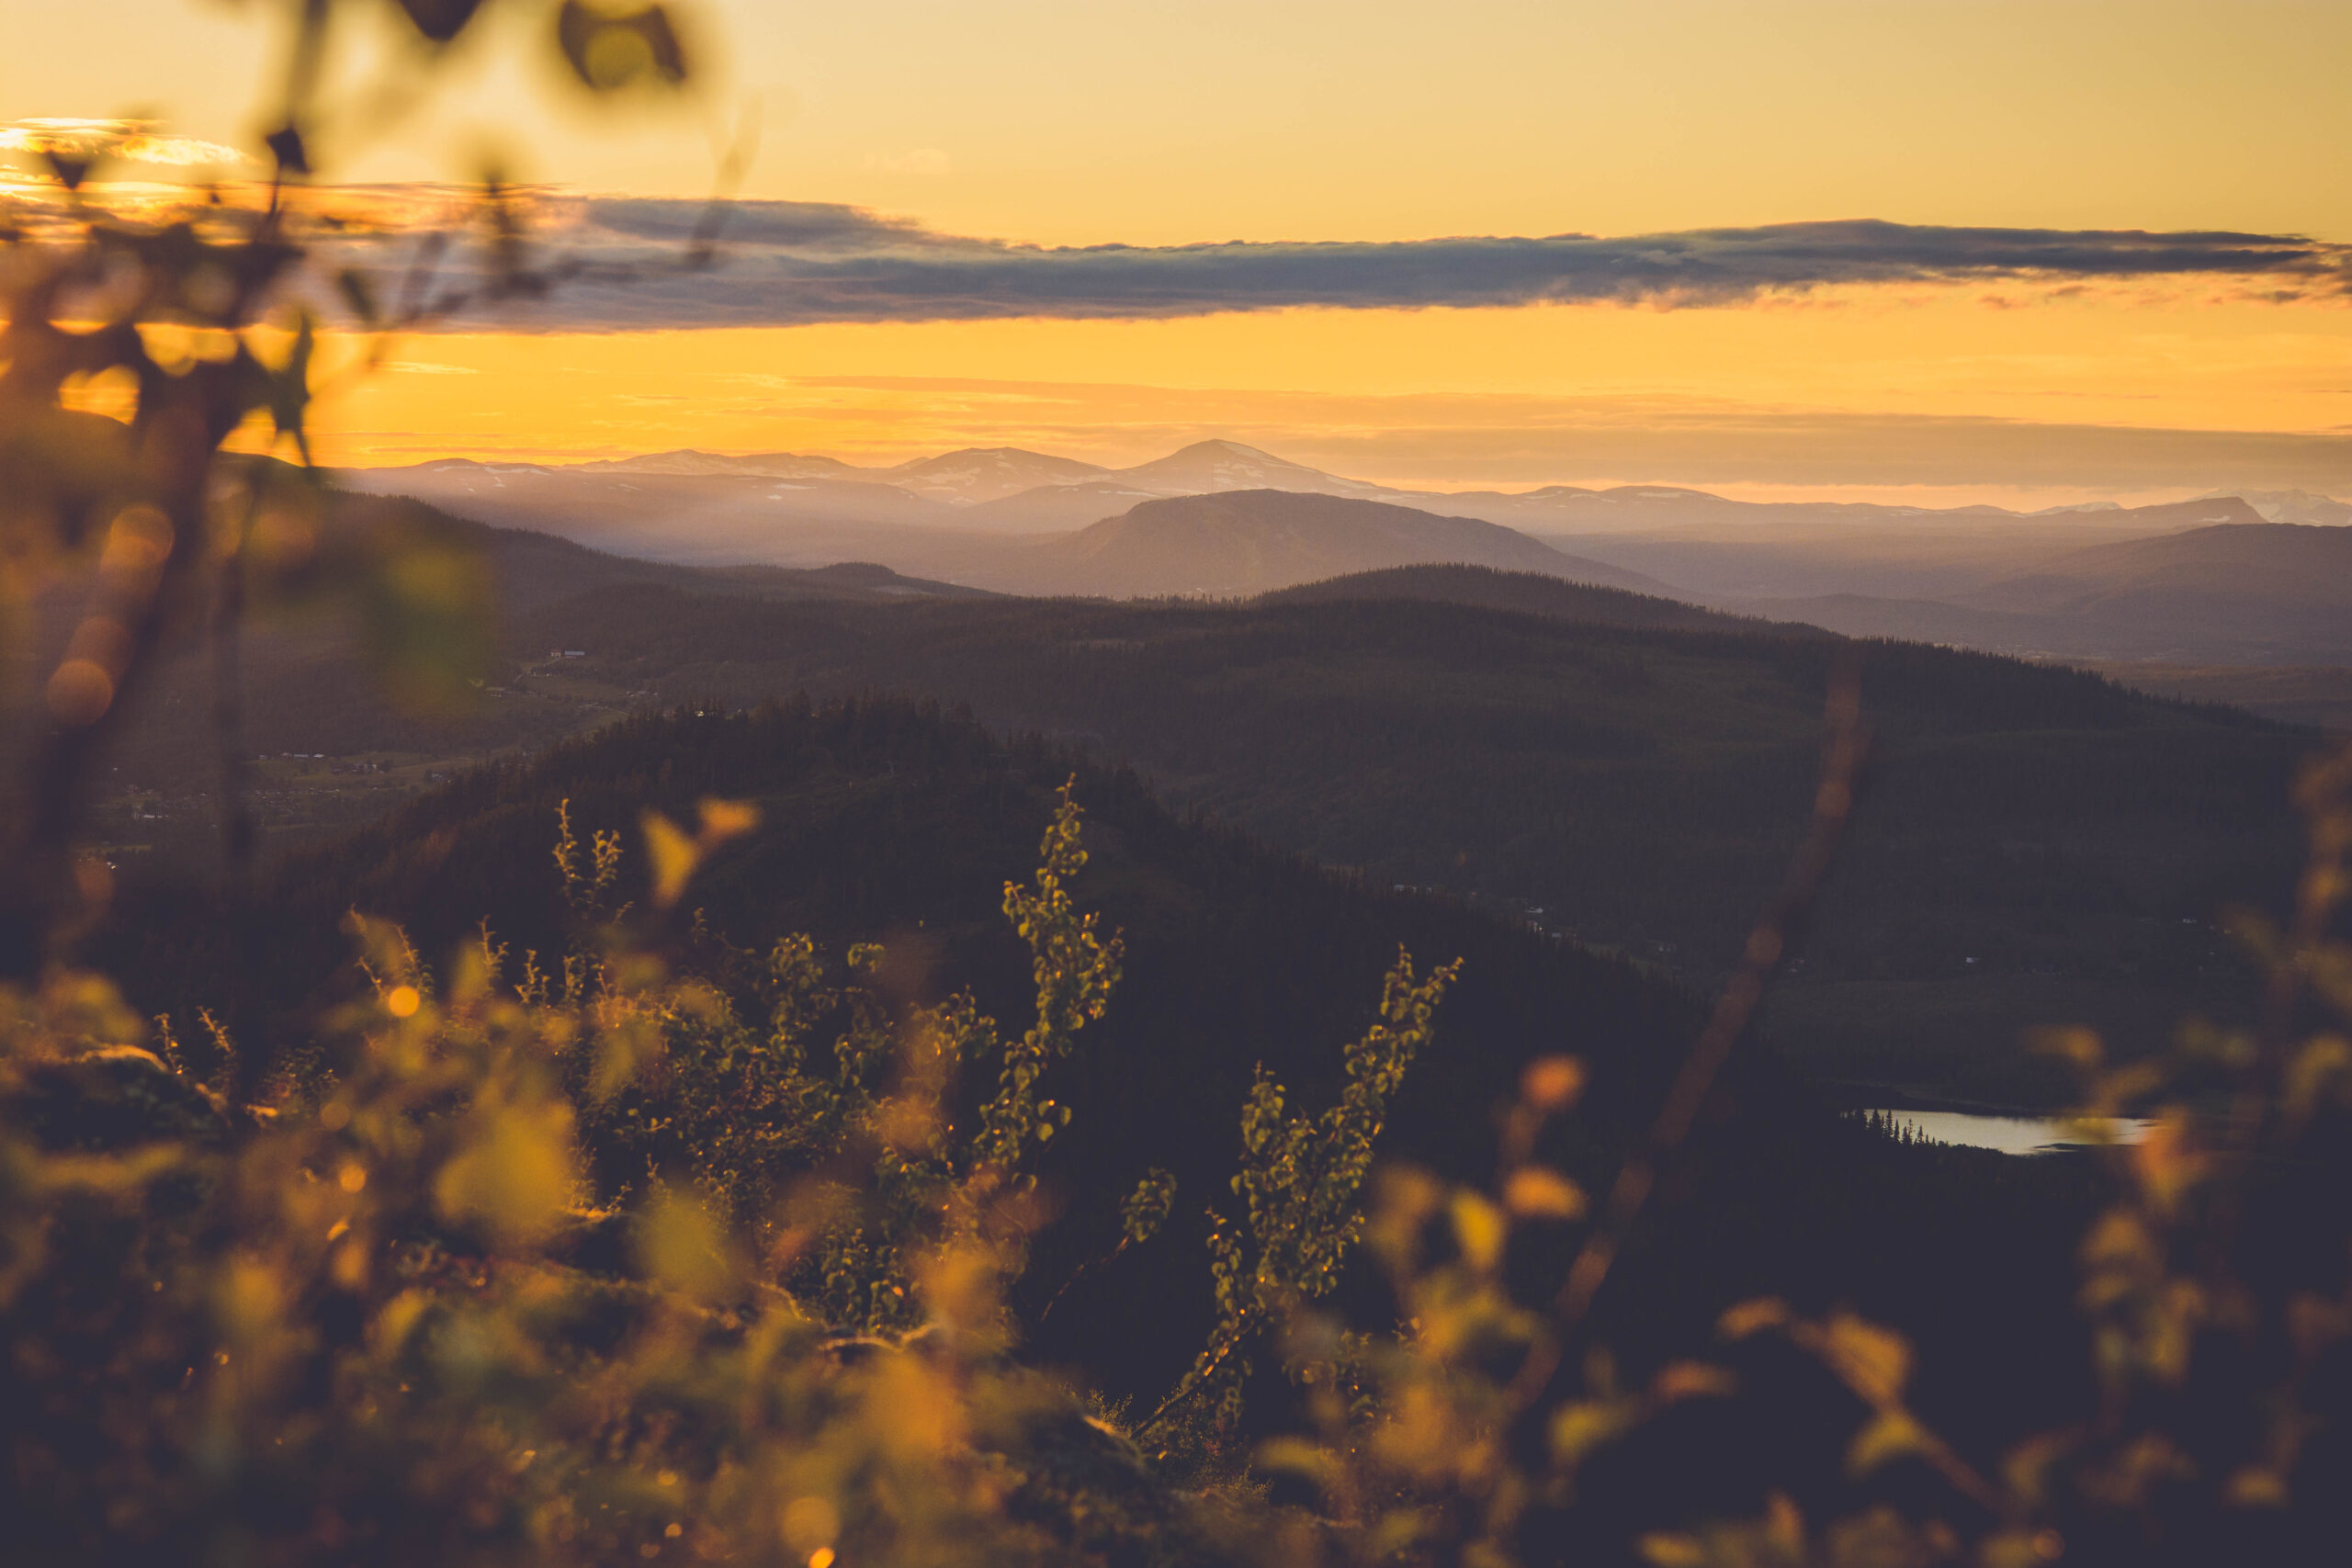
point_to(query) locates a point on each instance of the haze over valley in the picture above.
(2217, 581)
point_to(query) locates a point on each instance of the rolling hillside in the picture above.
(1535, 592)
(2232, 565)
(2066, 585)
(2238, 594)
(2040, 844)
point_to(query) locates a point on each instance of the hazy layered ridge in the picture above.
(1004, 490)
(2246, 594)
(2218, 581)
(1254, 541)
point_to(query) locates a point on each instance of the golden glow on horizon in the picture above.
(1063, 122)
(1315, 382)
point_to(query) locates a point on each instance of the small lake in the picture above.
(2006, 1134)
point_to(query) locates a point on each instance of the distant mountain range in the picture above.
(2291, 506)
(2264, 579)
(1007, 490)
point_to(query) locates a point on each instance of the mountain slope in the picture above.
(756, 465)
(2244, 594)
(2290, 506)
(2240, 563)
(1520, 593)
(985, 473)
(1206, 467)
(1883, 552)
(2239, 592)
(1254, 541)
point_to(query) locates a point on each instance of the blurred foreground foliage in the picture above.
(384, 1317)
(158, 338)
(660, 1248)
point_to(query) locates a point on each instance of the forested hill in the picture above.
(1526, 593)
(883, 819)
(2036, 844)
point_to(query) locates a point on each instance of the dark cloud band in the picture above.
(783, 264)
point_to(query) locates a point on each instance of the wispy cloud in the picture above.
(624, 260)
(118, 141)
(793, 263)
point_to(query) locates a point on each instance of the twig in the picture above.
(1767, 943)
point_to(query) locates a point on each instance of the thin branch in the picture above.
(1768, 944)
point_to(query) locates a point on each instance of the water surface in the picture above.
(2007, 1135)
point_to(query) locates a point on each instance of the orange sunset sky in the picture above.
(1054, 124)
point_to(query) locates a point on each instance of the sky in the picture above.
(904, 279)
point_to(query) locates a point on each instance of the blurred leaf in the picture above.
(2118, 1256)
(2319, 1064)
(1890, 1435)
(1298, 1456)
(609, 49)
(440, 20)
(811, 1524)
(1552, 1084)
(1674, 1550)
(1582, 1426)
(673, 856)
(70, 170)
(285, 144)
(290, 384)
(2019, 1549)
(2081, 1048)
(359, 293)
(623, 1050)
(1875, 1362)
(1692, 1380)
(1480, 1229)
(1752, 1317)
(2164, 1162)
(516, 1171)
(2027, 1467)
(683, 1247)
(1535, 1192)
(724, 819)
